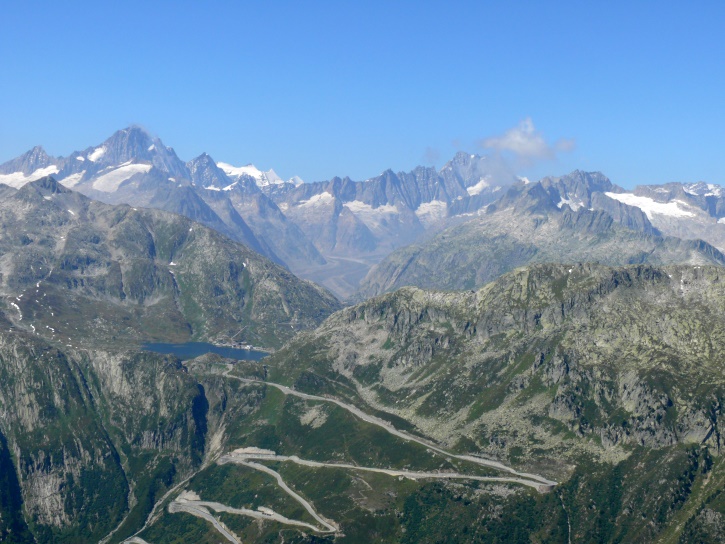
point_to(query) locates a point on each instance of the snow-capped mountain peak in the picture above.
(30, 166)
(263, 179)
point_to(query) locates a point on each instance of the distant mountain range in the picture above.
(573, 219)
(331, 231)
(334, 231)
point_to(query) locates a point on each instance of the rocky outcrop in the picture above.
(612, 356)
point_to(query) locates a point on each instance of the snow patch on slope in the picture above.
(322, 199)
(356, 206)
(97, 154)
(72, 180)
(480, 186)
(568, 202)
(715, 190)
(431, 212)
(18, 179)
(371, 217)
(675, 208)
(112, 180)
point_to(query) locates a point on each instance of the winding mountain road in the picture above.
(243, 459)
(534, 480)
(198, 509)
(329, 526)
(192, 504)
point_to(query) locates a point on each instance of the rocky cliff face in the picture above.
(71, 469)
(91, 439)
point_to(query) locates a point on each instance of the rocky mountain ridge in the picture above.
(605, 379)
(81, 271)
(685, 210)
(565, 220)
(615, 354)
(334, 231)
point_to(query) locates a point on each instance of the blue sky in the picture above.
(633, 89)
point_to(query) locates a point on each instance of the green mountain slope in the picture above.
(607, 380)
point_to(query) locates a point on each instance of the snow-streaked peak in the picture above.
(272, 177)
(237, 171)
(262, 178)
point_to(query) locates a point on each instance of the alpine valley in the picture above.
(454, 355)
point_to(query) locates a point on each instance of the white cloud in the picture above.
(527, 143)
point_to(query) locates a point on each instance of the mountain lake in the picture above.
(189, 350)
